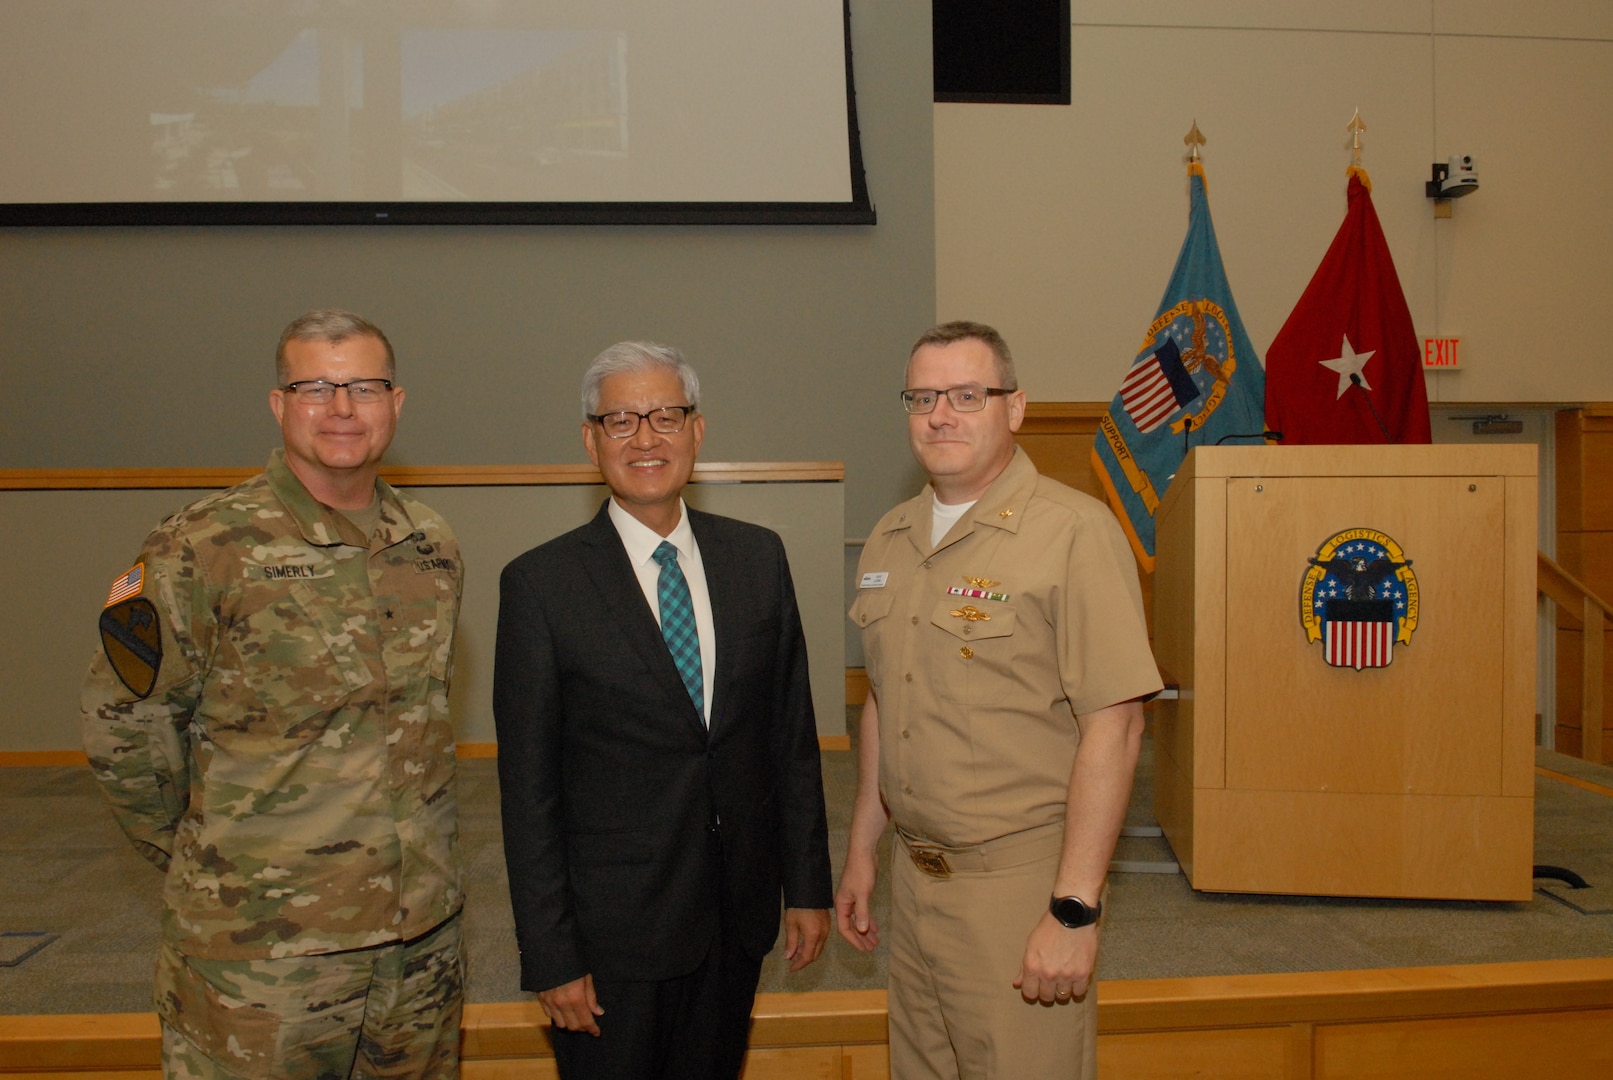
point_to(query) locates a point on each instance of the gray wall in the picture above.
(152, 347)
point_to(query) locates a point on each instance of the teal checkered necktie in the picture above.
(677, 623)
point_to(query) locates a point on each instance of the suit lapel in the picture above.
(622, 597)
(724, 576)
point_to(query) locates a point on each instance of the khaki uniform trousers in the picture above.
(956, 946)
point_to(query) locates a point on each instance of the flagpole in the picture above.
(1195, 139)
(1355, 127)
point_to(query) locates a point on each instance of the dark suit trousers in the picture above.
(694, 1027)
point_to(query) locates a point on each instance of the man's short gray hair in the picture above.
(630, 358)
(331, 326)
(963, 330)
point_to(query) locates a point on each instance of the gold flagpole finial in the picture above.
(1193, 139)
(1355, 127)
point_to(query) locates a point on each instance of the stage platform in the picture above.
(1231, 985)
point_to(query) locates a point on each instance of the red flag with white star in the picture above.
(1346, 367)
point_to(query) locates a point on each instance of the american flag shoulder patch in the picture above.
(127, 585)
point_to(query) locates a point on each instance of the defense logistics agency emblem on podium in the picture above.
(1359, 598)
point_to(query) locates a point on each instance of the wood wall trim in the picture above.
(715, 472)
(1062, 417)
(1070, 410)
(462, 751)
(37, 758)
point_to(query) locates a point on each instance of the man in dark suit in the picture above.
(657, 752)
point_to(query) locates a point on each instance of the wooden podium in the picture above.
(1276, 772)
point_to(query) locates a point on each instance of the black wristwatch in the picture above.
(1073, 911)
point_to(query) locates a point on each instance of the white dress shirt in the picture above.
(641, 541)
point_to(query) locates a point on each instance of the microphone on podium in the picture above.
(1273, 436)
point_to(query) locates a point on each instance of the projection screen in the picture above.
(428, 111)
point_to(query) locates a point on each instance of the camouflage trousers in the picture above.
(389, 1012)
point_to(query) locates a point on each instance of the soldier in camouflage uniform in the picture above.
(268, 717)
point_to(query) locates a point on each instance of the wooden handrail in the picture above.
(1567, 590)
(1574, 599)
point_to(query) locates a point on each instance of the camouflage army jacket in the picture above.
(280, 744)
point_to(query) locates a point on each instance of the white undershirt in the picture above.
(641, 541)
(945, 515)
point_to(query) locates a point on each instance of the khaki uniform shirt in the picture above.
(978, 693)
(291, 766)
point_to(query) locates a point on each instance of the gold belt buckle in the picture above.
(931, 862)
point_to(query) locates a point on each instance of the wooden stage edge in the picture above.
(1486, 1019)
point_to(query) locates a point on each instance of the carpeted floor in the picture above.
(65, 870)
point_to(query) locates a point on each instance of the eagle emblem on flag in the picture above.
(1187, 357)
(1359, 599)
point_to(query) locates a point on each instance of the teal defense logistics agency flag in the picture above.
(1196, 380)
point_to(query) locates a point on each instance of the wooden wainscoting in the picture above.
(1533, 1018)
(1058, 436)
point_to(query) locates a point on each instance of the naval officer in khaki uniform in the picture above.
(1008, 661)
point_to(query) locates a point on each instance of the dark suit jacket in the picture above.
(629, 831)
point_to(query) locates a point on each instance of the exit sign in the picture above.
(1441, 353)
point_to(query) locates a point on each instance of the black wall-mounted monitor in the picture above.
(1009, 51)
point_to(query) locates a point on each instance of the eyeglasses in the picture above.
(963, 398)
(667, 420)
(320, 392)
